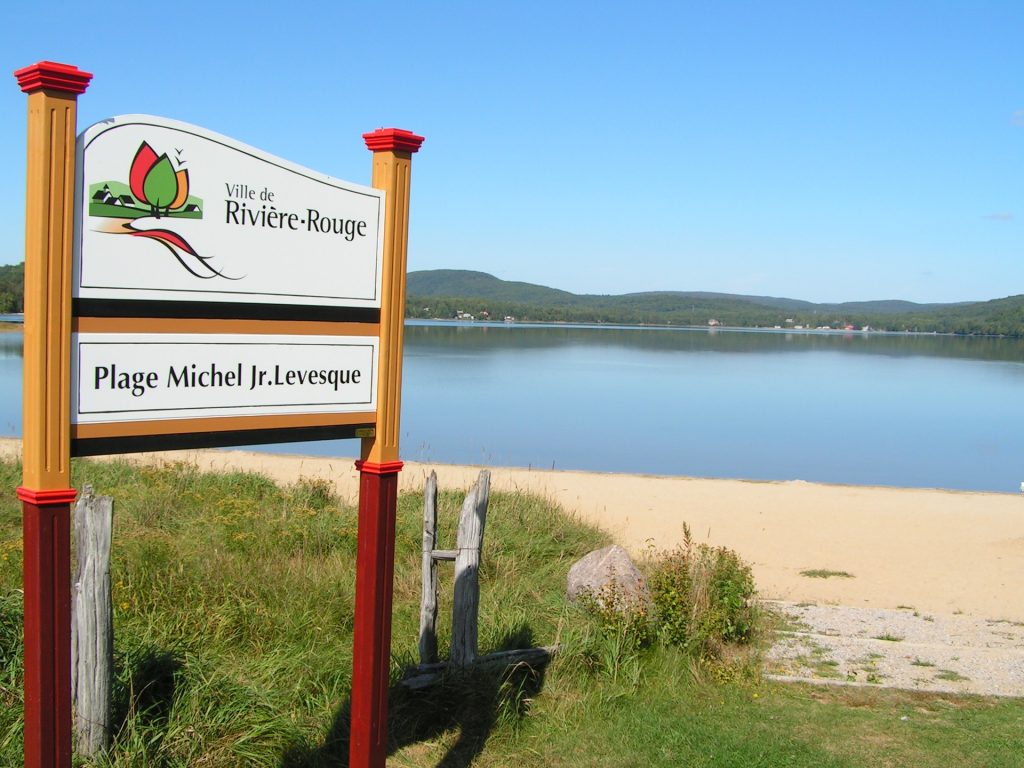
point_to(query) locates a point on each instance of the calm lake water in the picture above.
(919, 411)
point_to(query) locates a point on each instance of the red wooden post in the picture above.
(375, 560)
(45, 491)
(46, 532)
(378, 470)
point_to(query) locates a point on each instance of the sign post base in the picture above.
(46, 528)
(371, 643)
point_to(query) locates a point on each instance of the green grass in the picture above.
(824, 573)
(233, 620)
(819, 664)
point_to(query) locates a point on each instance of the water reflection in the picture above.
(12, 345)
(427, 337)
(862, 408)
(11, 353)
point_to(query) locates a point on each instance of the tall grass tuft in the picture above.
(703, 597)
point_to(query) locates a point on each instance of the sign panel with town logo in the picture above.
(174, 220)
(174, 212)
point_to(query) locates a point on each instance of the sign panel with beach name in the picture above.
(136, 377)
(169, 212)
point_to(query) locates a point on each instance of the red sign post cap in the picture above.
(43, 498)
(53, 76)
(394, 139)
(375, 468)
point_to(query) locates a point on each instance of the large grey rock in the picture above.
(610, 577)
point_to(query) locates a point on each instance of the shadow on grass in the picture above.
(144, 693)
(470, 703)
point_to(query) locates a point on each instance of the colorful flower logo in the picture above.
(154, 181)
(156, 189)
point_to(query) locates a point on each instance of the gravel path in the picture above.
(905, 649)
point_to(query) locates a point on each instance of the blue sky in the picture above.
(829, 151)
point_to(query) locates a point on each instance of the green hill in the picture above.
(460, 282)
(444, 293)
(891, 306)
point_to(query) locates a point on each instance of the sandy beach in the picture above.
(934, 551)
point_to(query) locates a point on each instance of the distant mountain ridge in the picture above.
(482, 285)
(882, 306)
(447, 292)
(464, 282)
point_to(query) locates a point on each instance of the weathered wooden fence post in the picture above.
(428, 601)
(92, 624)
(466, 604)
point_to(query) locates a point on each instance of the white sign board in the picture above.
(121, 377)
(171, 212)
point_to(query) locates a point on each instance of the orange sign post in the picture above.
(46, 492)
(378, 486)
